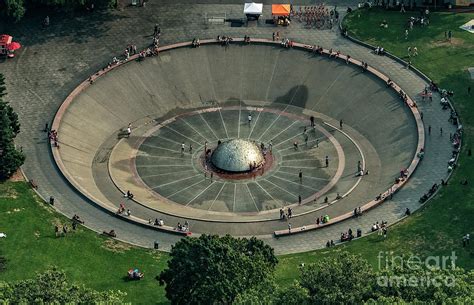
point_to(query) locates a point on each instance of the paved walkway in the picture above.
(54, 61)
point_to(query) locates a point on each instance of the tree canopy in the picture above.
(348, 279)
(52, 287)
(10, 158)
(16, 9)
(345, 279)
(212, 269)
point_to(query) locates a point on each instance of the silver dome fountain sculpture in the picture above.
(237, 156)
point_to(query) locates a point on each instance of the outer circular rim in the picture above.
(367, 206)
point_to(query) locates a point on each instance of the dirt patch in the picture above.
(15, 210)
(115, 246)
(57, 222)
(156, 255)
(17, 176)
(446, 43)
(8, 193)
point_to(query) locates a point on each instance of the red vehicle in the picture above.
(8, 46)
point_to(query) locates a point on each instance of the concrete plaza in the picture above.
(70, 50)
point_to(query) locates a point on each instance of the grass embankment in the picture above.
(102, 264)
(438, 228)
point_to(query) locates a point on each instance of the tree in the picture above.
(212, 269)
(292, 295)
(418, 282)
(343, 279)
(270, 293)
(3, 263)
(15, 9)
(10, 158)
(52, 287)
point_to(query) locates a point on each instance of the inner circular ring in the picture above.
(169, 206)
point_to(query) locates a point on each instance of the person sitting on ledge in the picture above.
(374, 228)
(421, 154)
(129, 195)
(121, 208)
(407, 212)
(76, 218)
(111, 233)
(196, 43)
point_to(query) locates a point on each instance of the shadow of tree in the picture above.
(296, 96)
(77, 26)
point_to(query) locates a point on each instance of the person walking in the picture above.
(327, 161)
(300, 175)
(182, 148)
(249, 117)
(341, 123)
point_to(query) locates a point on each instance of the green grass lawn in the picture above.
(87, 257)
(437, 229)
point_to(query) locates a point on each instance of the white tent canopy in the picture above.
(253, 8)
(468, 26)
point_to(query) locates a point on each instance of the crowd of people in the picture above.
(183, 227)
(135, 274)
(380, 228)
(349, 235)
(224, 40)
(319, 16)
(63, 230)
(122, 210)
(287, 215)
(53, 137)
